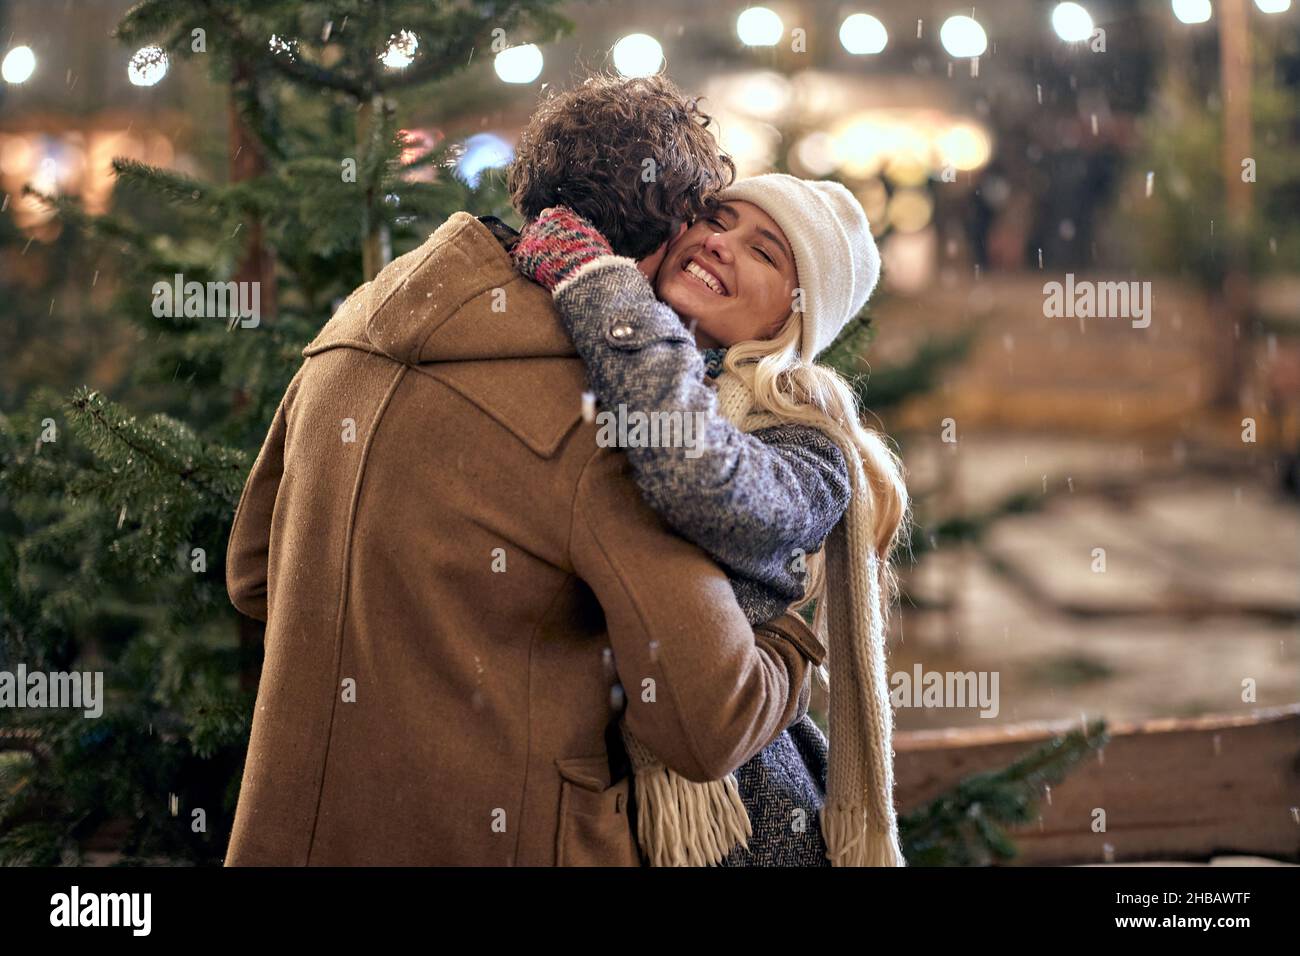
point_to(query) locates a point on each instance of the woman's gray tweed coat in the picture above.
(753, 501)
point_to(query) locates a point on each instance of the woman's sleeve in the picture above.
(756, 501)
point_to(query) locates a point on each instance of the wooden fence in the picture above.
(1174, 789)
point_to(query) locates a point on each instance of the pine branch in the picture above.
(136, 246)
(846, 351)
(175, 187)
(891, 386)
(208, 470)
(33, 844)
(965, 825)
(216, 720)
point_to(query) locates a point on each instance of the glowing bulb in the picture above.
(1273, 6)
(638, 54)
(519, 64)
(147, 66)
(759, 26)
(19, 65)
(963, 37)
(1071, 22)
(1192, 11)
(400, 52)
(862, 33)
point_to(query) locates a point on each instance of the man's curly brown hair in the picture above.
(587, 148)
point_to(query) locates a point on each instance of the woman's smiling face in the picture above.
(732, 273)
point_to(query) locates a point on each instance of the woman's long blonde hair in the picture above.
(784, 384)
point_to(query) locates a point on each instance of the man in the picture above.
(462, 590)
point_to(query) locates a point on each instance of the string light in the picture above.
(759, 26)
(963, 37)
(638, 54)
(401, 49)
(19, 65)
(863, 34)
(1192, 11)
(148, 66)
(1071, 22)
(519, 64)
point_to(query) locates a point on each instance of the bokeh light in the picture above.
(962, 36)
(19, 65)
(1192, 11)
(1071, 22)
(483, 151)
(519, 64)
(759, 26)
(863, 34)
(638, 54)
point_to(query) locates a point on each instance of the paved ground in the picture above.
(1200, 590)
(1108, 428)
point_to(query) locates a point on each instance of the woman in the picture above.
(766, 280)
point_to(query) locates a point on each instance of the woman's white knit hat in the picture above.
(835, 256)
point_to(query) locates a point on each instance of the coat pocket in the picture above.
(595, 828)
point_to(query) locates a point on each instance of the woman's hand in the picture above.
(556, 244)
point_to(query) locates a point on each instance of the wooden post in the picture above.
(1233, 304)
(375, 248)
(248, 161)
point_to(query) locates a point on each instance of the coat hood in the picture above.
(457, 297)
(455, 309)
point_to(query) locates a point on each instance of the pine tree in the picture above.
(113, 524)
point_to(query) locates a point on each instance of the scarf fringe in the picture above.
(682, 822)
(850, 842)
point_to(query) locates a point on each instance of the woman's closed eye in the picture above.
(717, 221)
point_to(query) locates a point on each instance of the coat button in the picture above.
(621, 331)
